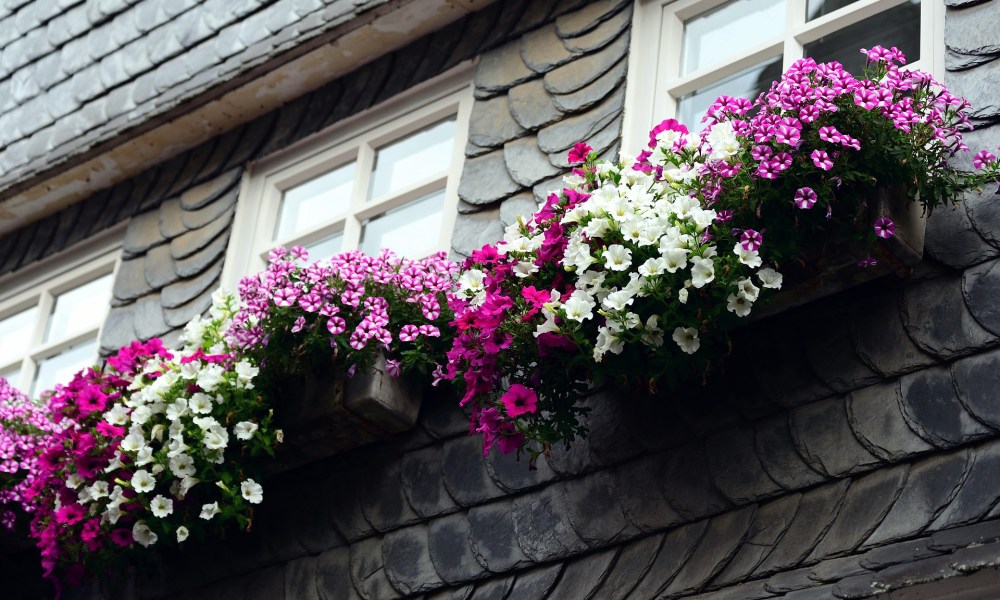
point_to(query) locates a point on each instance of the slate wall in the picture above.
(852, 447)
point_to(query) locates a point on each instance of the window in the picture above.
(697, 50)
(51, 315)
(385, 178)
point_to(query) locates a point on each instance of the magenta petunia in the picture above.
(804, 198)
(519, 400)
(578, 153)
(821, 159)
(751, 240)
(884, 227)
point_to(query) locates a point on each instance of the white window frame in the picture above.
(40, 284)
(655, 83)
(355, 138)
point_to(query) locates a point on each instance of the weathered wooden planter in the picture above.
(836, 267)
(328, 413)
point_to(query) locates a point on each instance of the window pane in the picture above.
(12, 375)
(314, 202)
(413, 158)
(325, 248)
(412, 230)
(15, 334)
(61, 367)
(818, 8)
(729, 31)
(898, 26)
(79, 309)
(746, 84)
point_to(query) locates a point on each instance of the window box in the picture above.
(328, 413)
(832, 268)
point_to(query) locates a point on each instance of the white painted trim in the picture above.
(353, 139)
(654, 83)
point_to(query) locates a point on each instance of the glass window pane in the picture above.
(325, 248)
(314, 202)
(15, 334)
(412, 230)
(898, 26)
(61, 367)
(412, 159)
(13, 376)
(818, 8)
(79, 309)
(730, 31)
(746, 84)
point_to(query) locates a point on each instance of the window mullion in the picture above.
(359, 194)
(796, 19)
(46, 302)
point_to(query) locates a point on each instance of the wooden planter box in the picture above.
(836, 269)
(330, 413)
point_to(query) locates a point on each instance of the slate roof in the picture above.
(74, 74)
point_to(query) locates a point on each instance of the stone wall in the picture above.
(851, 448)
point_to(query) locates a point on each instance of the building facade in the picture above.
(152, 151)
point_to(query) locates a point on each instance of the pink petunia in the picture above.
(286, 296)
(408, 333)
(983, 159)
(336, 325)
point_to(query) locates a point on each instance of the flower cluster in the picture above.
(157, 448)
(297, 318)
(821, 139)
(24, 430)
(635, 271)
(621, 275)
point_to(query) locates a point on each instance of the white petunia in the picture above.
(216, 438)
(200, 403)
(618, 300)
(748, 257)
(579, 307)
(252, 491)
(177, 409)
(617, 257)
(702, 271)
(245, 372)
(98, 490)
(746, 288)
(73, 481)
(682, 296)
(142, 534)
(471, 281)
(142, 481)
(210, 377)
(653, 267)
(117, 415)
(525, 268)
(769, 278)
(739, 304)
(244, 430)
(161, 506)
(209, 510)
(182, 534)
(182, 465)
(687, 339)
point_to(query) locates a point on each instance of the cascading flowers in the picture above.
(160, 448)
(634, 272)
(621, 276)
(301, 318)
(25, 428)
